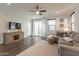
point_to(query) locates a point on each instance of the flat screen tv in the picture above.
(14, 25)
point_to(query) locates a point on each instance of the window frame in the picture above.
(72, 23)
(52, 25)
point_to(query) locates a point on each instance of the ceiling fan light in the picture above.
(37, 12)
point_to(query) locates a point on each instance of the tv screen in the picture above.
(18, 26)
(14, 25)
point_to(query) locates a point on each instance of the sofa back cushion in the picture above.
(72, 35)
(76, 38)
(69, 33)
(66, 50)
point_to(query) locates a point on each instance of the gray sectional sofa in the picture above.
(70, 50)
(67, 48)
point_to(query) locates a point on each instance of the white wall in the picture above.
(28, 28)
(67, 24)
(2, 25)
(7, 15)
(58, 24)
(21, 17)
(68, 21)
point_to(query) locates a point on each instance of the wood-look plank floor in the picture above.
(28, 42)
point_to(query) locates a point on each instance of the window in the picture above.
(72, 24)
(38, 27)
(51, 25)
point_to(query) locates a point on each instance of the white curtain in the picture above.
(39, 27)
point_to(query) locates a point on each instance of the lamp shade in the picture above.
(66, 29)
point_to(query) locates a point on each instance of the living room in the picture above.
(37, 21)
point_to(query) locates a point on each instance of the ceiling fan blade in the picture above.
(40, 13)
(32, 10)
(43, 11)
(37, 7)
(72, 13)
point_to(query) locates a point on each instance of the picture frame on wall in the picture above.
(61, 20)
(61, 25)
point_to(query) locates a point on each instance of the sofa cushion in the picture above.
(72, 35)
(66, 50)
(76, 38)
(69, 33)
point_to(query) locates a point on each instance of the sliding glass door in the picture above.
(38, 28)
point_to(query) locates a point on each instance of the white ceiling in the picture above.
(53, 9)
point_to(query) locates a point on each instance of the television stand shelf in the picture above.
(13, 41)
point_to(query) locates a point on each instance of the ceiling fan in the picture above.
(72, 13)
(37, 11)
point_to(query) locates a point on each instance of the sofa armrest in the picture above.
(65, 50)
